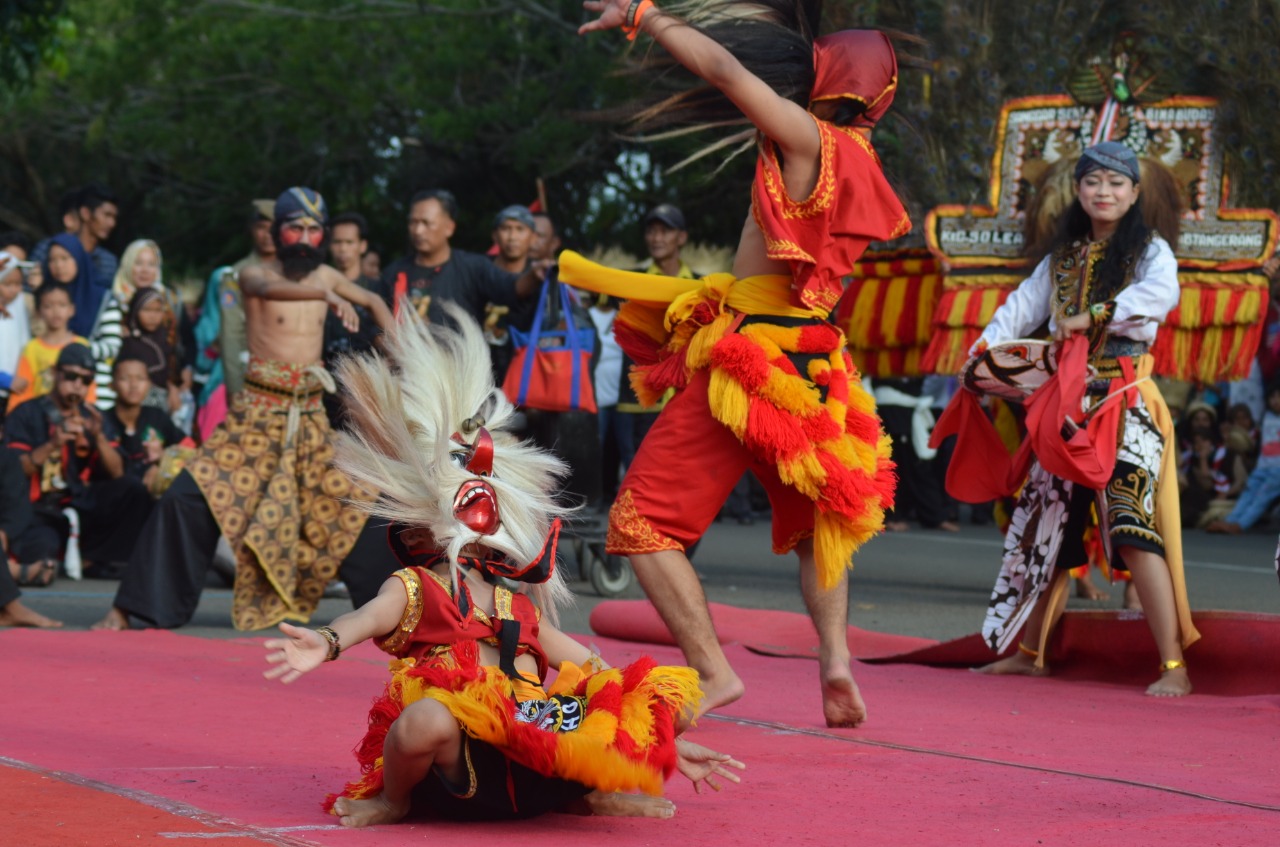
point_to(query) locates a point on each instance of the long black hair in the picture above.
(1124, 248)
(773, 39)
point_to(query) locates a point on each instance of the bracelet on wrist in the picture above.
(635, 13)
(335, 646)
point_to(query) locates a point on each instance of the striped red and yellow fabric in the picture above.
(887, 311)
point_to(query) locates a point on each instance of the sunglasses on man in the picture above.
(85, 379)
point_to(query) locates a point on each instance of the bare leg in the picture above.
(1131, 601)
(1155, 590)
(675, 591)
(842, 703)
(624, 806)
(15, 613)
(425, 735)
(114, 620)
(1023, 662)
(1087, 590)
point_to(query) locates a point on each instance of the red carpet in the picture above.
(1238, 654)
(188, 727)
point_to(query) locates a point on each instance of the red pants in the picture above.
(683, 473)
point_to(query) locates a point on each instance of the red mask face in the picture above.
(302, 231)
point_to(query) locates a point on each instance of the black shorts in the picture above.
(496, 788)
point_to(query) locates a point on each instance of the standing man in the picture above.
(347, 247)
(514, 235)
(665, 234)
(90, 213)
(265, 478)
(435, 272)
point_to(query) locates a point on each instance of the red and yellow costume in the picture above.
(610, 729)
(763, 378)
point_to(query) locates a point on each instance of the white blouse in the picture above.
(1140, 307)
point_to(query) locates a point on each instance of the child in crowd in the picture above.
(15, 330)
(142, 433)
(55, 309)
(150, 336)
(1263, 486)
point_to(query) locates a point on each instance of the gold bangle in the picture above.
(1172, 665)
(335, 645)
(1027, 651)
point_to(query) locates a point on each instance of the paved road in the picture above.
(925, 583)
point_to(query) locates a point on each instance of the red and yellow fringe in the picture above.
(887, 311)
(625, 742)
(1214, 332)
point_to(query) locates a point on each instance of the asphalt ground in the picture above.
(926, 583)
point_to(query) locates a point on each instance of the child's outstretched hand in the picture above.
(701, 764)
(613, 13)
(303, 650)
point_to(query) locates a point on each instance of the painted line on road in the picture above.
(1269, 568)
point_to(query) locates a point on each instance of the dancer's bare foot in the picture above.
(1172, 683)
(949, 526)
(628, 805)
(1019, 663)
(369, 812)
(114, 620)
(1131, 601)
(16, 614)
(1086, 590)
(842, 703)
(897, 526)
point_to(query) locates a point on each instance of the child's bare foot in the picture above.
(1131, 601)
(842, 703)
(628, 805)
(16, 614)
(114, 620)
(1086, 590)
(1019, 663)
(369, 812)
(1172, 683)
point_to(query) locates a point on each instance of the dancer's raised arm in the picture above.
(786, 123)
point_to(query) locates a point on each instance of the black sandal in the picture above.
(37, 574)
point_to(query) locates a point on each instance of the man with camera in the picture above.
(75, 475)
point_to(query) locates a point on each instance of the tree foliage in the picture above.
(32, 33)
(189, 108)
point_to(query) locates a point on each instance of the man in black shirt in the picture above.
(141, 433)
(70, 460)
(437, 273)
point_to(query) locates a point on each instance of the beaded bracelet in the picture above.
(635, 13)
(335, 646)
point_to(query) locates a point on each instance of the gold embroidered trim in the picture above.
(399, 637)
(629, 533)
(502, 603)
(819, 199)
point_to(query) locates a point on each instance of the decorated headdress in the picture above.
(1111, 155)
(433, 436)
(298, 203)
(858, 65)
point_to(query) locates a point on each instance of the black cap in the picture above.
(667, 214)
(76, 355)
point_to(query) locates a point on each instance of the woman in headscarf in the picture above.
(68, 263)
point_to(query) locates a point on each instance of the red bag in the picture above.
(551, 369)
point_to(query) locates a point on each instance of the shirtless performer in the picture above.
(763, 380)
(264, 479)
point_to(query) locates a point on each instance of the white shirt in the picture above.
(15, 332)
(609, 365)
(1140, 308)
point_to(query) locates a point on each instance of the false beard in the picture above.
(298, 260)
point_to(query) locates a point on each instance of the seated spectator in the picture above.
(139, 268)
(35, 376)
(1263, 486)
(15, 327)
(15, 525)
(142, 432)
(151, 335)
(1240, 418)
(68, 264)
(72, 465)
